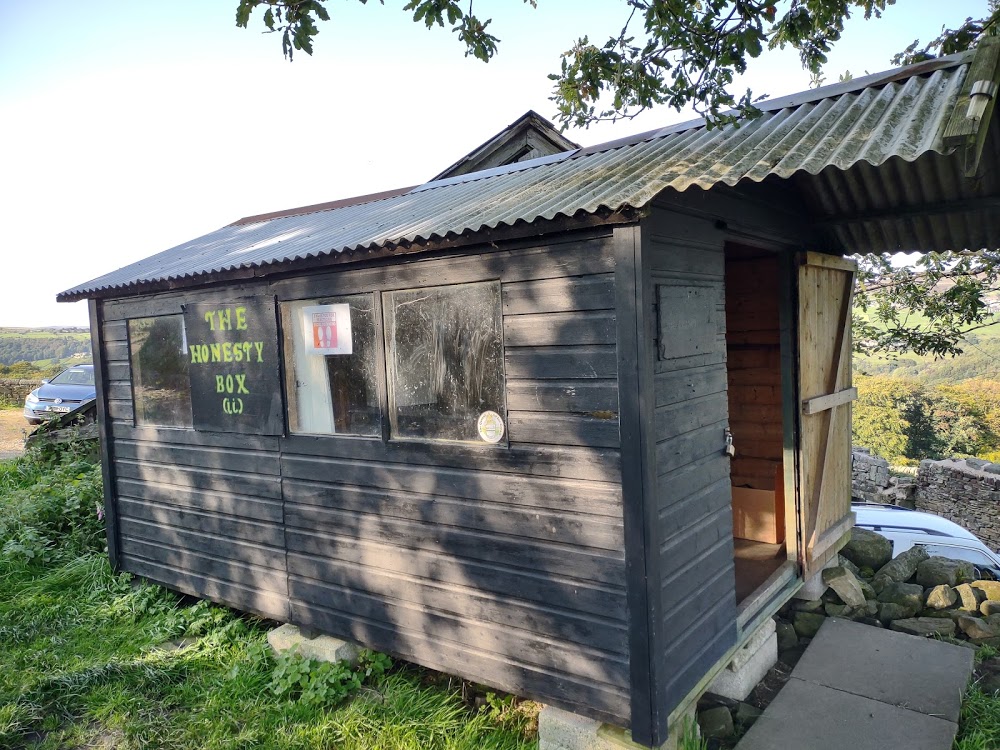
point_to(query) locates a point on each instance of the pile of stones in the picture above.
(912, 593)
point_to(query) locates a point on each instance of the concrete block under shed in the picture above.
(562, 730)
(749, 664)
(322, 648)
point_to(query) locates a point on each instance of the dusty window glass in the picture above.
(444, 360)
(160, 384)
(330, 364)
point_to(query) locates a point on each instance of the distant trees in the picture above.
(29, 349)
(905, 421)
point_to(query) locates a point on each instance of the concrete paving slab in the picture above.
(902, 670)
(807, 715)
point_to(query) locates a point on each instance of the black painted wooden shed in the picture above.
(571, 424)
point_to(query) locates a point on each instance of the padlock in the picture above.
(730, 448)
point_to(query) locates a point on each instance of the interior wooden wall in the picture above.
(754, 365)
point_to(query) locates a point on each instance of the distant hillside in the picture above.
(33, 344)
(980, 359)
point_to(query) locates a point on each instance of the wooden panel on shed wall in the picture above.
(752, 335)
(696, 605)
(503, 565)
(200, 512)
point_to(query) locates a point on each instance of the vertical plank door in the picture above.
(826, 292)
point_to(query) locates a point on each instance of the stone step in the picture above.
(865, 688)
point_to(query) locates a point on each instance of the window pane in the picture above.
(331, 393)
(160, 383)
(444, 360)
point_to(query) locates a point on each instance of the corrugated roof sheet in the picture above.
(899, 116)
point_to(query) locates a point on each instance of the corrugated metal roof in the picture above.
(898, 116)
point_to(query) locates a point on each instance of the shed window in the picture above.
(444, 360)
(330, 361)
(160, 383)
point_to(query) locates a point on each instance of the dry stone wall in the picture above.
(13, 390)
(872, 483)
(966, 491)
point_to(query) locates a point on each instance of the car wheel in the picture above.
(34, 421)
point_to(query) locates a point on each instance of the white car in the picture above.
(938, 536)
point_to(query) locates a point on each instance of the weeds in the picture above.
(93, 659)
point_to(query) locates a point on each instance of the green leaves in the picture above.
(924, 308)
(293, 18)
(320, 683)
(673, 52)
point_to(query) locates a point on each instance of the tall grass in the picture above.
(93, 659)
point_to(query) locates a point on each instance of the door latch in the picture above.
(730, 448)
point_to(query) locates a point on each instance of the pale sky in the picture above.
(130, 126)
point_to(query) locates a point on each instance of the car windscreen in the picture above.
(74, 376)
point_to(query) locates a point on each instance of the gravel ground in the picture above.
(13, 429)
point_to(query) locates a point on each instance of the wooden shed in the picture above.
(571, 424)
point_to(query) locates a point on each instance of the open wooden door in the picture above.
(825, 292)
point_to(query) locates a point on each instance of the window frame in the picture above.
(286, 330)
(504, 442)
(132, 374)
(379, 295)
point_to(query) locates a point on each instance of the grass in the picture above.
(979, 724)
(42, 333)
(89, 659)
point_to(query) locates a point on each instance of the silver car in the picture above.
(938, 536)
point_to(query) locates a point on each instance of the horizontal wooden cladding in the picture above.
(696, 649)
(214, 501)
(205, 479)
(695, 260)
(751, 376)
(756, 472)
(754, 394)
(194, 438)
(511, 489)
(318, 555)
(563, 429)
(248, 598)
(116, 330)
(119, 372)
(683, 385)
(561, 362)
(690, 492)
(554, 329)
(685, 449)
(701, 534)
(119, 391)
(121, 410)
(574, 257)
(203, 562)
(473, 599)
(220, 524)
(684, 416)
(328, 504)
(116, 351)
(527, 647)
(601, 566)
(581, 396)
(556, 686)
(231, 551)
(559, 295)
(745, 430)
(585, 464)
(198, 456)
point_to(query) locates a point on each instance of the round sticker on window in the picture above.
(490, 427)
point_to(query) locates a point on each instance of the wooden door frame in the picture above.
(788, 307)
